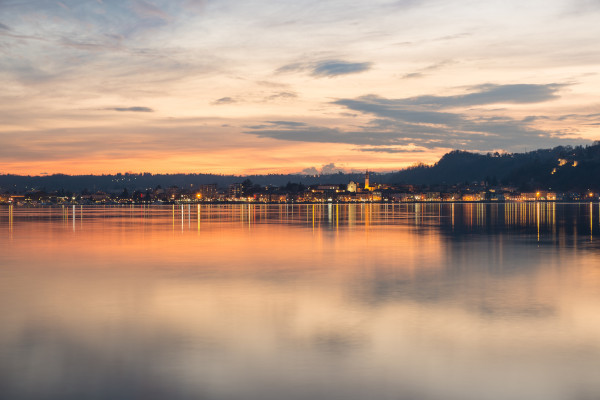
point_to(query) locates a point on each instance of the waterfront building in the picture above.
(208, 191)
(235, 191)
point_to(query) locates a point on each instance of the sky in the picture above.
(245, 87)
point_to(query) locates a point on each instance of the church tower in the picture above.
(367, 186)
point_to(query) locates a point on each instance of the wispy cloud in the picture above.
(327, 68)
(147, 10)
(281, 96)
(391, 150)
(452, 37)
(335, 67)
(479, 95)
(286, 123)
(224, 100)
(426, 70)
(130, 109)
(423, 122)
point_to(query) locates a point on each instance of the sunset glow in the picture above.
(105, 86)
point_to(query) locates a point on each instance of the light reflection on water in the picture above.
(409, 301)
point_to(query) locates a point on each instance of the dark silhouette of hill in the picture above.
(563, 168)
(118, 182)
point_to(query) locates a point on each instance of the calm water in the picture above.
(403, 302)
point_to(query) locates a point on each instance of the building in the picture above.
(207, 192)
(352, 186)
(472, 197)
(433, 196)
(235, 191)
(333, 188)
(367, 181)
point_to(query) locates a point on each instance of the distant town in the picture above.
(366, 191)
(562, 173)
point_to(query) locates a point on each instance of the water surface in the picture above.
(411, 301)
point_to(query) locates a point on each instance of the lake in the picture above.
(366, 301)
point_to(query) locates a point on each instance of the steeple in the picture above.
(367, 186)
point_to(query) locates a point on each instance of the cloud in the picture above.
(301, 132)
(413, 75)
(452, 37)
(310, 171)
(326, 169)
(446, 38)
(131, 109)
(579, 117)
(423, 71)
(224, 100)
(287, 123)
(391, 150)
(92, 46)
(580, 7)
(278, 124)
(480, 95)
(330, 168)
(327, 68)
(146, 10)
(423, 122)
(281, 96)
(4, 27)
(272, 84)
(334, 68)
(117, 141)
(254, 98)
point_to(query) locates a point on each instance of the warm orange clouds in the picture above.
(107, 86)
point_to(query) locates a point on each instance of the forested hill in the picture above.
(131, 181)
(561, 168)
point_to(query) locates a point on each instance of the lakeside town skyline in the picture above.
(368, 191)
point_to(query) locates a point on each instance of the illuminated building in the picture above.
(208, 192)
(334, 188)
(473, 196)
(235, 191)
(367, 183)
(352, 186)
(433, 196)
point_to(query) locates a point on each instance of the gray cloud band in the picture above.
(327, 68)
(424, 121)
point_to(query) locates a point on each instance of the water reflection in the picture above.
(409, 301)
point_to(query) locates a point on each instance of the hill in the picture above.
(563, 168)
